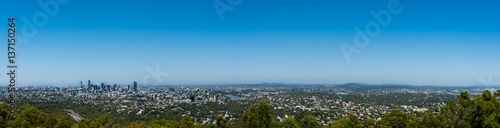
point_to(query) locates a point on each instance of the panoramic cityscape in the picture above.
(250, 64)
(203, 103)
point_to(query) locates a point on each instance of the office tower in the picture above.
(89, 85)
(128, 88)
(81, 84)
(108, 88)
(114, 87)
(103, 86)
(135, 86)
(191, 98)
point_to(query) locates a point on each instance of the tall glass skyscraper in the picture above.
(90, 86)
(135, 86)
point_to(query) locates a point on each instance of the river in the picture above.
(234, 97)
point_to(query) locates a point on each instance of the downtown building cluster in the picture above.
(107, 88)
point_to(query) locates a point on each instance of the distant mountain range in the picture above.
(360, 85)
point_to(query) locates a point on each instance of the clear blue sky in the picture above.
(296, 41)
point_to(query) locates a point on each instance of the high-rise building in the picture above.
(81, 84)
(108, 89)
(103, 86)
(128, 88)
(90, 86)
(114, 87)
(135, 86)
(191, 98)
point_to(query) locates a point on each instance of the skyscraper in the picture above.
(103, 86)
(81, 84)
(108, 88)
(135, 86)
(128, 88)
(90, 86)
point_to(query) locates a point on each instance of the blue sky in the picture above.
(428, 43)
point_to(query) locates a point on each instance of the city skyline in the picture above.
(293, 42)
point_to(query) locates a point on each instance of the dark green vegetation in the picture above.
(94, 111)
(482, 111)
(29, 116)
(464, 112)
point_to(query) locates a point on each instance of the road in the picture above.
(73, 114)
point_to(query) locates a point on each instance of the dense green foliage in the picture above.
(29, 116)
(290, 122)
(259, 117)
(93, 110)
(309, 122)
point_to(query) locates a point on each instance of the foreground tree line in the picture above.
(481, 111)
